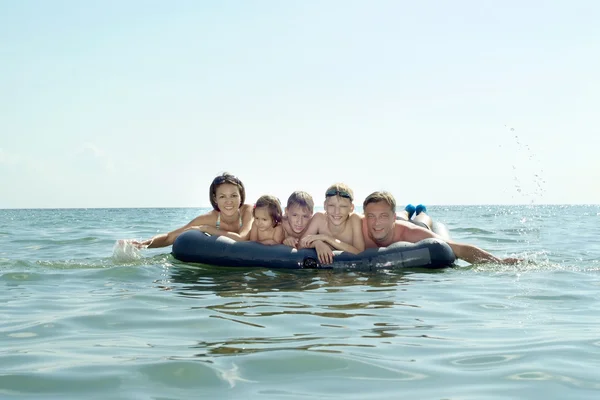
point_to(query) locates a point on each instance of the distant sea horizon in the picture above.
(316, 207)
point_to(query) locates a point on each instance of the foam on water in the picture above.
(125, 251)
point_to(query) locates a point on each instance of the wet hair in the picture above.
(273, 205)
(225, 177)
(302, 199)
(341, 190)
(377, 197)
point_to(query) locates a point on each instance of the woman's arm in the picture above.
(247, 219)
(167, 239)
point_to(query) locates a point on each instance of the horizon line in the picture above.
(316, 207)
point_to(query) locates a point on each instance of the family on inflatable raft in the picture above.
(335, 234)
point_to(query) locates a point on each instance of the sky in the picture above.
(142, 103)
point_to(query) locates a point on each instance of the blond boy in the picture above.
(338, 228)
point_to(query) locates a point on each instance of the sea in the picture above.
(80, 320)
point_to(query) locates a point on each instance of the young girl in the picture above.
(266, 227)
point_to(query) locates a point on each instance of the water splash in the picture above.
(527, 172)
(125, 251)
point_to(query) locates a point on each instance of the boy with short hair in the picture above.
(338, 228)
(298, 214)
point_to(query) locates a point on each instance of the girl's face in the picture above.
(228, 198)
(262, 218)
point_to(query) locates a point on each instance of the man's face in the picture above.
(380, 221)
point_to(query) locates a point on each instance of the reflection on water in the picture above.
(196, 280)
(270, 310)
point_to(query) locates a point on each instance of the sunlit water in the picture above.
(78, 323)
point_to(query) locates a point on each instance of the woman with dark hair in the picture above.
(230, 216)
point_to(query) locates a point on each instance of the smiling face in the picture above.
(380, 221)
(338, 209)
(262, 218)
(227, 197)
(298, 217)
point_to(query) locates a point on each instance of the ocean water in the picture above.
(79, 322)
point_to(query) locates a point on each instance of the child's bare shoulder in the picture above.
(356, 217)
(319, 218)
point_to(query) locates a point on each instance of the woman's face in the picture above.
(228, 198)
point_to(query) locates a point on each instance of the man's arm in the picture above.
(474, 254)
(471, 254)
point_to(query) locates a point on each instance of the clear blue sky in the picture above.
(131, 103)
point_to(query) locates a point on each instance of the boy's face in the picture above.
(338, 209)
(298, 217)
(380, 221)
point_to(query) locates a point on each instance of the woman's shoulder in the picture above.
(208, 218)
(212, 214)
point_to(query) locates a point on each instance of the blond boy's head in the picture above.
(340, 190)
(338, 203)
